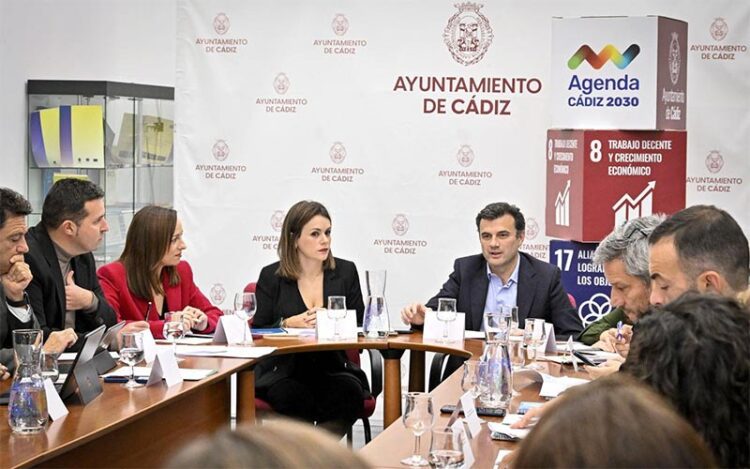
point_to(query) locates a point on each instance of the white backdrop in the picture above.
(278, 101)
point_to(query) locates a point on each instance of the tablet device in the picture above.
(91, 343)
(110, 337)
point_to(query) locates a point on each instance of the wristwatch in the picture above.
(18, 304)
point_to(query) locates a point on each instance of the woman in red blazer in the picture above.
(150, 278)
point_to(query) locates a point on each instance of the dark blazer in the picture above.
(540, 293)
(47, 290)
(279, 298)
(9, 322)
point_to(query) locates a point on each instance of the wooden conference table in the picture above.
(397, 442)
(140, 428)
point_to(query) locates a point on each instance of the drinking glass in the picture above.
(515, 350)
(470, 378)
(418, 417)
(336, 310)
(446, 313)
(174, 329)
(131, 353)
(245, 305)
(445, 449)
(497, 326)
(513, 312)
(49, 366)
(516, 353)
(534, 335)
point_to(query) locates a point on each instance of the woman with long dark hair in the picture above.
(323, 387)
(151, 279)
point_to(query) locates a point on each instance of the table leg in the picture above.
(416, 371)
(246, 396)
(392, 386)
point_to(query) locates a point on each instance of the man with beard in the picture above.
(623, 255)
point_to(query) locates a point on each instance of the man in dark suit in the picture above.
(503, 275)
(65, 291)
(15, 275)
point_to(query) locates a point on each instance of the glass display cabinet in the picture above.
(118, 135)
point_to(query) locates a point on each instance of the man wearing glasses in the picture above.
(623, 255)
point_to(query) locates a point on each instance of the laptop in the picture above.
(91, 343)
(68, 388)
(105, 362)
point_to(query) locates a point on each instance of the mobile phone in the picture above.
(503, 436)
(483, 411)
(124, 379)
(586, 360)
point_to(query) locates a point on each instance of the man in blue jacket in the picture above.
(502, 274)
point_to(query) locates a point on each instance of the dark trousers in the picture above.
(316, 395)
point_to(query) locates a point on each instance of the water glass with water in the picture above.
(245, 305)
(336, 310)
(446, 450)
(174, 329)
(49, 366)
(497, 326)
(131, 353)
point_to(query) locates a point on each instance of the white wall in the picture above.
(114, 40)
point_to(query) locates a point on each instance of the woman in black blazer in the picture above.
(322, 387)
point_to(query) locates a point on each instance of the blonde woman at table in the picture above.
(151, 279)
(321, 387)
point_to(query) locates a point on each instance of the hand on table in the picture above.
(606, 368)
(414, 314)
(197, 318)
(4, 373)
(58, 341)
(181, 316)
(532, 415)
(306, 320)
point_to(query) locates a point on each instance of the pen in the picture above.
(619, 331)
